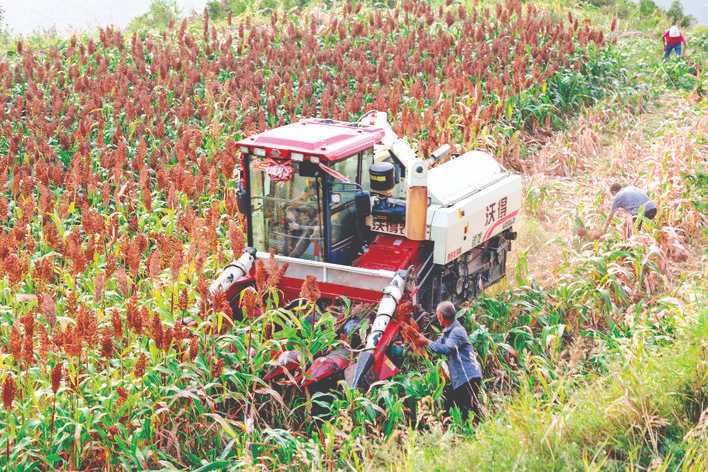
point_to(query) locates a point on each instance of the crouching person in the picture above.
(463, 367)
(632, 201)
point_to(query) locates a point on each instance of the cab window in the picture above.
(286, 215)
(343, 211)
(367, 158)
(349, 167)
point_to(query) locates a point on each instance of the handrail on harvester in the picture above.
(327, 272)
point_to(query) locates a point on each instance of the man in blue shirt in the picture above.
(463, 367)
(631, 200)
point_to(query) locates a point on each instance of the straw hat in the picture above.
(674, 32)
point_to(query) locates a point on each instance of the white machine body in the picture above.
(472, 198)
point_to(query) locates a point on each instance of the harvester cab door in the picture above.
(342, 211)
(343, 220)
(286, 213)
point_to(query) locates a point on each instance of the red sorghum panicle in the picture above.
(157, 331)
(217, 367)
(8, 392)
(154, 263)
(135, 318)
(99, 286)
(16, 267)
(310, 289)
(193, 347)
(410, 330)
(28, 323)
(140, 365)
(122, 395)
(44, 269)
(56, 377)
(202, 287)
(107, 345)
(221, 303)
(183, 299)
(122, 280)
(236, 238)
(48, 308)
(249, 302)
(110, 264)
(73, 344)
(71, 303)
(87, 325)
(82, 322)
(133, 258)
(117, 324)
(176, 264)
(275, 273)
(261, 275)
(167, 337)
(15, 343)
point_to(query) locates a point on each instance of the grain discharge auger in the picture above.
(352, 205)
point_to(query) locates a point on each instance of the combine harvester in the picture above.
(352, 205)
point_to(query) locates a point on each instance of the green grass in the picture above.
(644, 411)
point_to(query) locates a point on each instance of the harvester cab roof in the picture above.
(314, 140)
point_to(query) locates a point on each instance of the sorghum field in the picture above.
(118, 172)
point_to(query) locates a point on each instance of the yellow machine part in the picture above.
(416, 213)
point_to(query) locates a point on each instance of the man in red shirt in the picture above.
(673, 41)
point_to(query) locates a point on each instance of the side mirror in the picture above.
(362, 203)
(242, 200)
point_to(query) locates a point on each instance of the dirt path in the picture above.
(600, 147)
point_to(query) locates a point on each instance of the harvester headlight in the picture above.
(259, 152)
(314, 159)
(297, 156)
(244, 149)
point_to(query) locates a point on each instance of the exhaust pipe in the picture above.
(417, 201)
